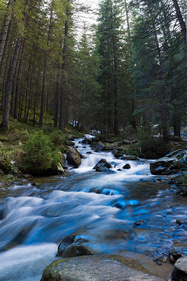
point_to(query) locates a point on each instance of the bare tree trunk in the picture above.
(56, 113)
(180, 19)
(35, 96)
(177, 124)
(133, 122)
(9, 84)
(11, 74)
(64, 55)
(42, 104)
(19, 67)
(164, 128)
(5, 33)
(43, 99)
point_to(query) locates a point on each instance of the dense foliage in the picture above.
(40, 152)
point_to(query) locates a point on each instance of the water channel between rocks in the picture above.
(120, 211)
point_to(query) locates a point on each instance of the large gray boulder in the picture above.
(73, 157)
(97, 268)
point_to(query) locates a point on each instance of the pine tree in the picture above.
(109, 48)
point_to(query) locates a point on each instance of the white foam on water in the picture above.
(137, 171)
(26, 263)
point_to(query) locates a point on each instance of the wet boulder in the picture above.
(76, 251)
(170, 164)
(102, 166)
(118, 152)
(71, 246)
(180, 271)
(97, 268)
(127, 166)
(73, 157)
(97, 146)
(159, 167)
(174, 256)
(68, 240)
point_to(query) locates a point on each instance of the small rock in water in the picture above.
(75, 250)
(179, 222)
(174, 256)
(138, 223)
(97, 146)
(127, 166)
(102, 166)
(71, 246)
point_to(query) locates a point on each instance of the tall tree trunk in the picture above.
(35, 96)
(56, 105)
(63, 82)
(5, 74)
(133, 106)
(17, 79)
(43, 99)
(180, 19)
(164, 128)
(116, 129)
(42, 104)
(11, 73)
(177, 124)
(9, 84)
(5, 33)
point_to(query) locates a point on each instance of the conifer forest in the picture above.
(128, 67)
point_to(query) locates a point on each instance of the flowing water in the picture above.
(117, 211)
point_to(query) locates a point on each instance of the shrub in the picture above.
(40, 152)
(57, 137)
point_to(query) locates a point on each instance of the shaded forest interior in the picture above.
(127, 70)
